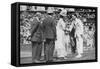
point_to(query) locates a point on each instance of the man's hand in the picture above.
(82, 36)
(44, 40)
(29, 38)
(55, 38)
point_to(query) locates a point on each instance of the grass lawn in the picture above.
(26, 55)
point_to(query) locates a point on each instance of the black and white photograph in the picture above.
(54, 34)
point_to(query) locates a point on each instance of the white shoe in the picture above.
(79, 56)
(65, 58)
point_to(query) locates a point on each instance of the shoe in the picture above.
(79, 56)
(49, 61)
(65, 58)
(36, 61)
(60, 58)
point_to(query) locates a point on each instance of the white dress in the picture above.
(59, 43)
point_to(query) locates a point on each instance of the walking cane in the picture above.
(43, 48)
(42, 54)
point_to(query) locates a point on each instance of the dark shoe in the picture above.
(49, 61)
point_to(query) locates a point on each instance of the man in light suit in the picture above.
(78, 35)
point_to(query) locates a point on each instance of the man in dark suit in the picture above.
(73, 40)
(36, 39)
(49, 36)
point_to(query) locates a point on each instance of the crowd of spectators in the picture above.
(86, 15)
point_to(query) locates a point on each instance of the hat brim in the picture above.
(63, 15)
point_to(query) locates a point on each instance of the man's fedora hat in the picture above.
(50, 10)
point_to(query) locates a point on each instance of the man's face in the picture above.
(73, 17)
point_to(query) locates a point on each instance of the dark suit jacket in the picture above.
(72, 33)
(36, 31)
(49, 29)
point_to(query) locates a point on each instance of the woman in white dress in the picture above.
(59, 43)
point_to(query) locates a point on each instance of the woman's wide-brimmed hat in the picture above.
(63, 12)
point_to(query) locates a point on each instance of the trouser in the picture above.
(79, 43)
(49, 49)
(36, 50)
(73, 44)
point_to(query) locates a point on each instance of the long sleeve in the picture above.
(34, 26)
(54, 27)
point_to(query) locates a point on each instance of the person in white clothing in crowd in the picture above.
(78, 35)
